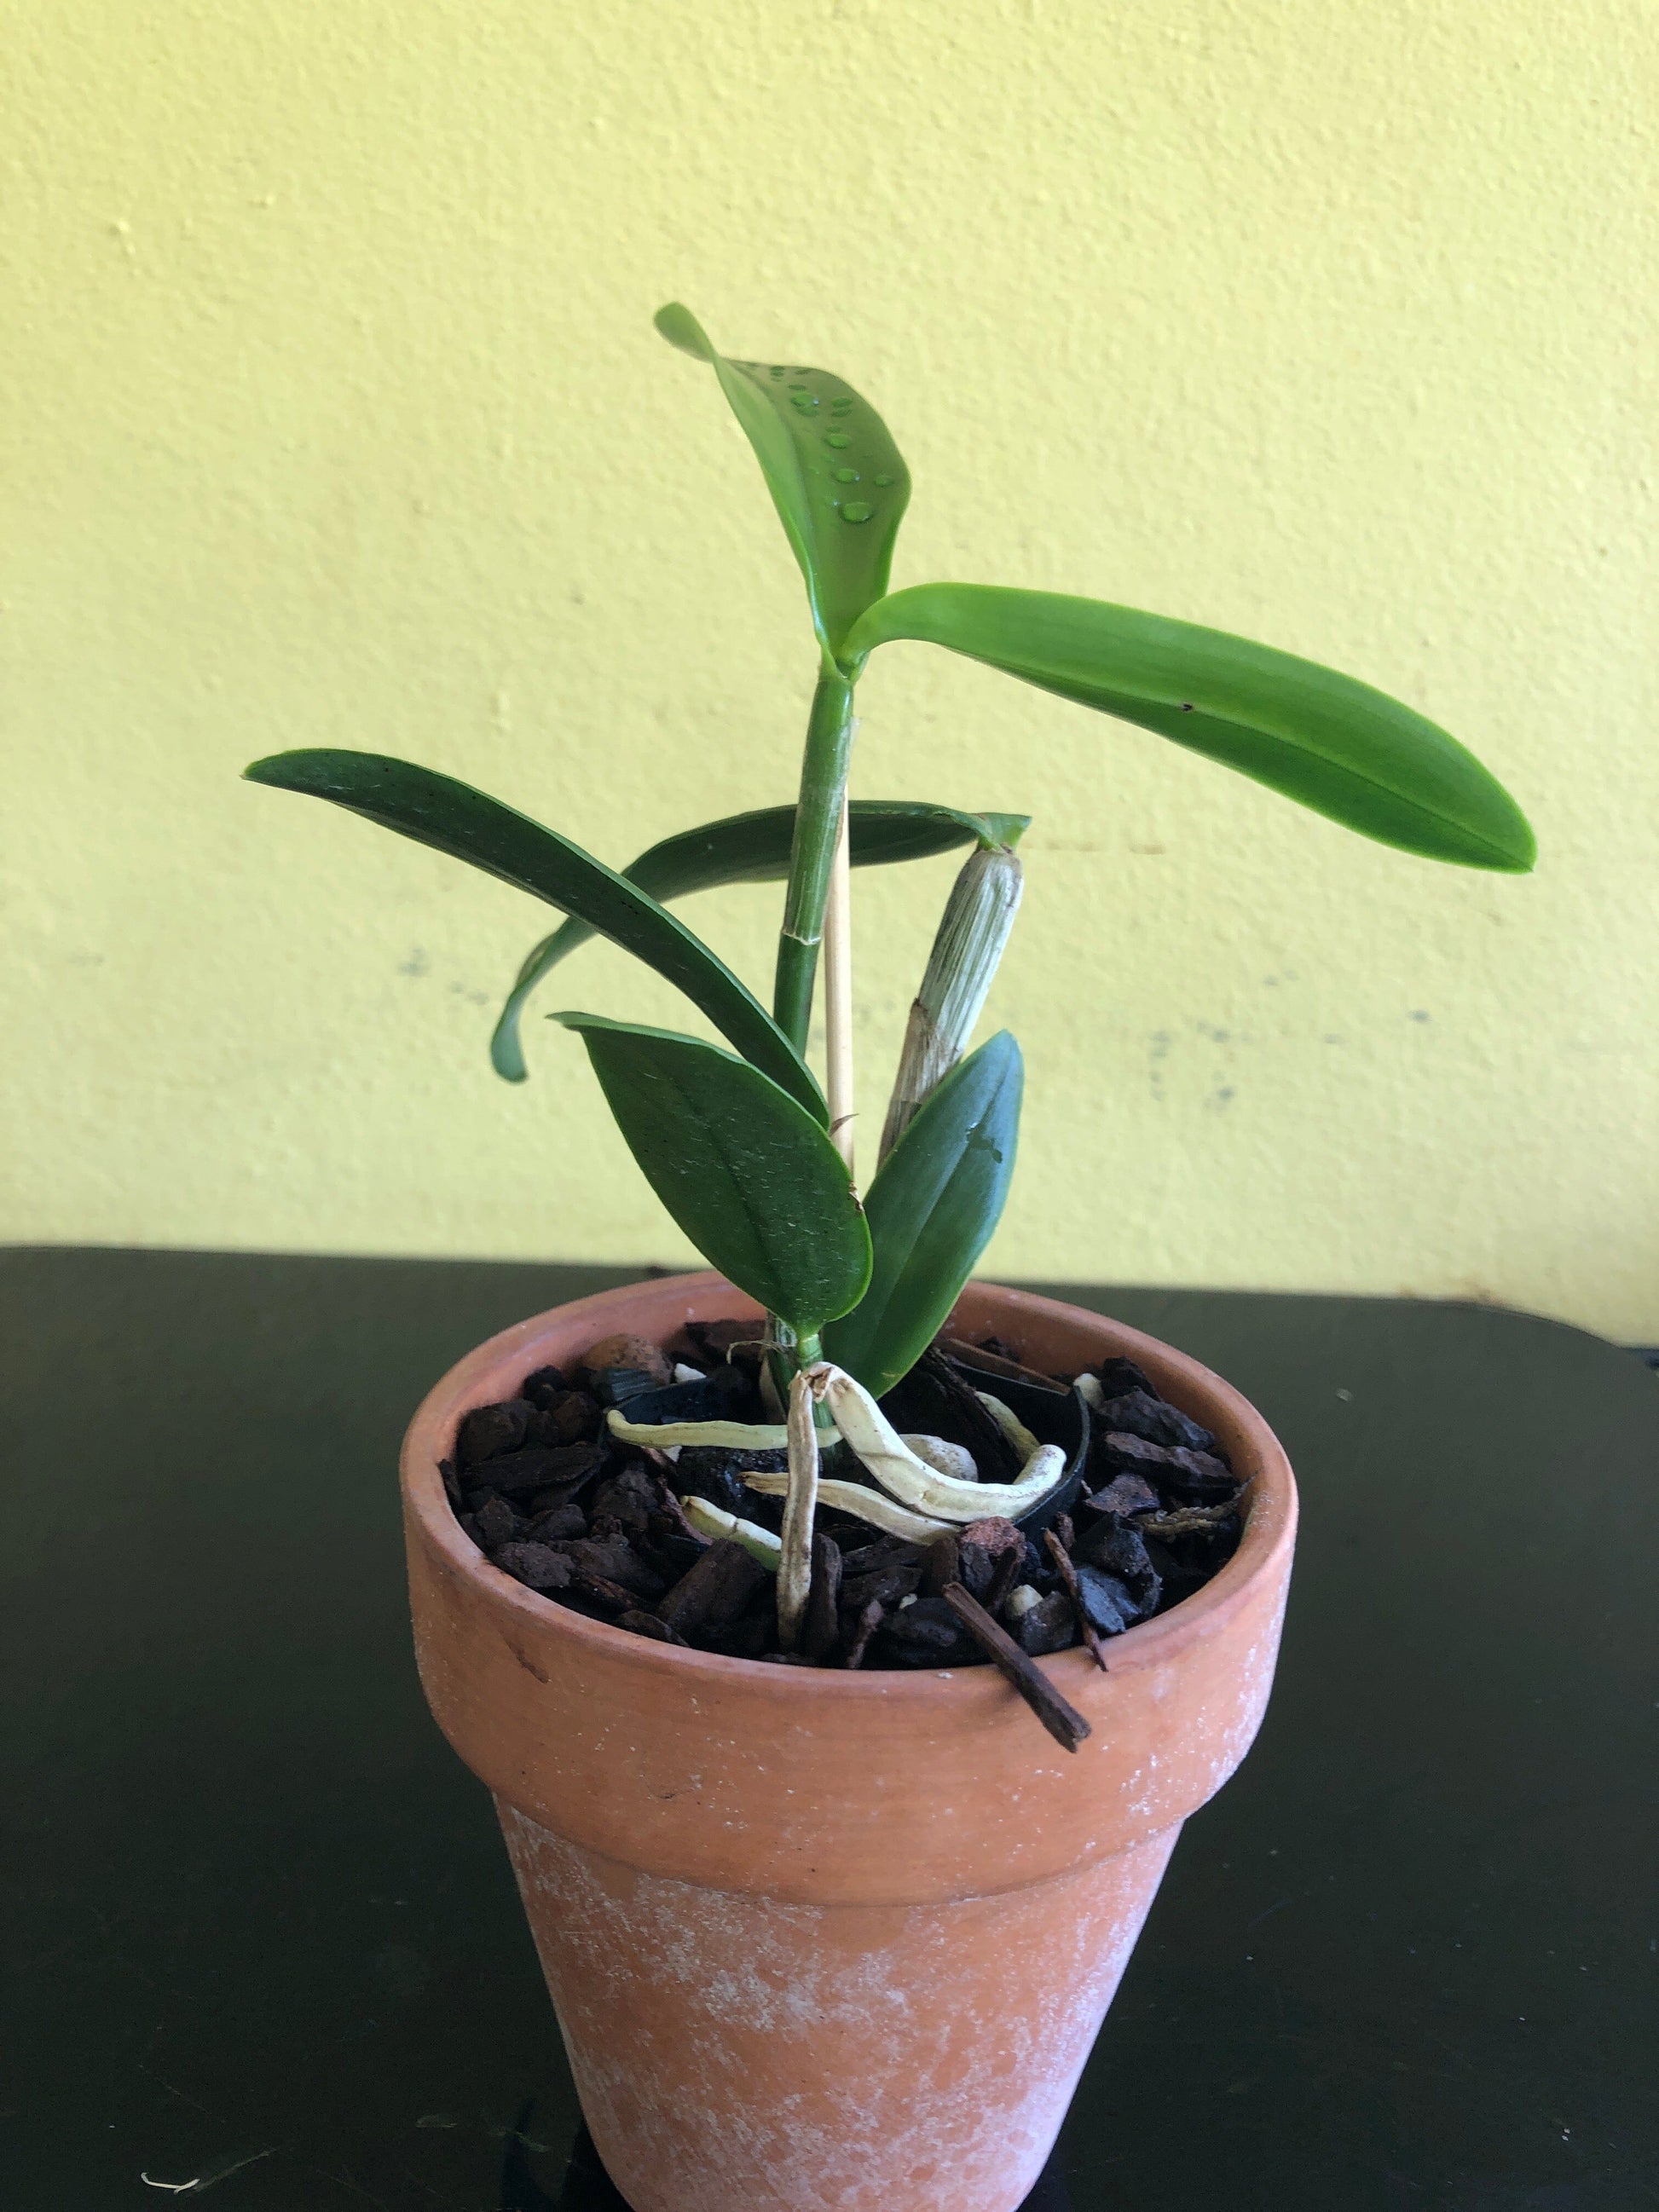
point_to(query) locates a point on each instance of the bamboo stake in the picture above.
(838, 996)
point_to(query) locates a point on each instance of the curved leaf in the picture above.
(932, 1210)
(453, 817)
(837, 478)
(752, 848)
(748, 1175)
(1332, 743)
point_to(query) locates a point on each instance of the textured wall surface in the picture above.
(334, 416)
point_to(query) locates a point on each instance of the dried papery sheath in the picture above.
(978, 916)
(710, 1521)
(801, 1504)
(884, 1452)
(863, 1503)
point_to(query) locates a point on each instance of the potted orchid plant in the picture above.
(726, 1585)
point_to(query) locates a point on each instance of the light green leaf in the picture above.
(1334, 744)
(752, 848)
(837, 478)
(748, 1175)
(453, 817)
(932, 1210)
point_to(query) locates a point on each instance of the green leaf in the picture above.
(752, 848)
(837, 478)
(748, 1175)
(453, 817)
(1334, 744)
(932, 1210)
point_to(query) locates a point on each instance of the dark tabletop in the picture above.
(259, 1931)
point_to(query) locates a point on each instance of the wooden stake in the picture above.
(838, 996)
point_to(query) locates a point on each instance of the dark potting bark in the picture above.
(546, 1491)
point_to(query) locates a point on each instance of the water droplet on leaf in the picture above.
(847, 475)
(855, 511)
(804, 401)
(883, 480)
(837, 438)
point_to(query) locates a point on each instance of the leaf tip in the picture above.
(681, 328)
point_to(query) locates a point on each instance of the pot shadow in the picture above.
(588, 2188)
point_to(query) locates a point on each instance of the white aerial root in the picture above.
(711, 1520)
(800, 1504)
(1011, 1426)
(863, 1503)
(909, 1479)
(723, 1436)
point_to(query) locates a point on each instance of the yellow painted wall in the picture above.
(333, 414)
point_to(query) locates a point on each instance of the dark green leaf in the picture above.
(1323, 739)
(752, 1178)
(438, 810)
(752, 848)
(837, 478)
(932, 1210)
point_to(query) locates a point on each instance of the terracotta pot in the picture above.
(820, 1939)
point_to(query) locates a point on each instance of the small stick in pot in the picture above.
(1062, 1559)
(1062, 1720)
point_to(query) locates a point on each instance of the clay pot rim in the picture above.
(1269, 1528)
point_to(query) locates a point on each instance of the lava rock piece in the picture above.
(629, 1496)
(569, 1417)
(1120, 1551)
(537, 1566)
(489, 1430)
(925, 1634)
(614, 1558)
(715, 1592)
(886, 1571)
(562, 1468)
(992, 1553)
(556, 1523)
(1125, 1493)
(1138, 1413)
(1050, 1626)
(1170, 1468)
(1106, 1600)
(498, 1523)
(609, 1596)
(721, 1342)
(1119, 1376)
(542, 1387)
(646, 1623)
